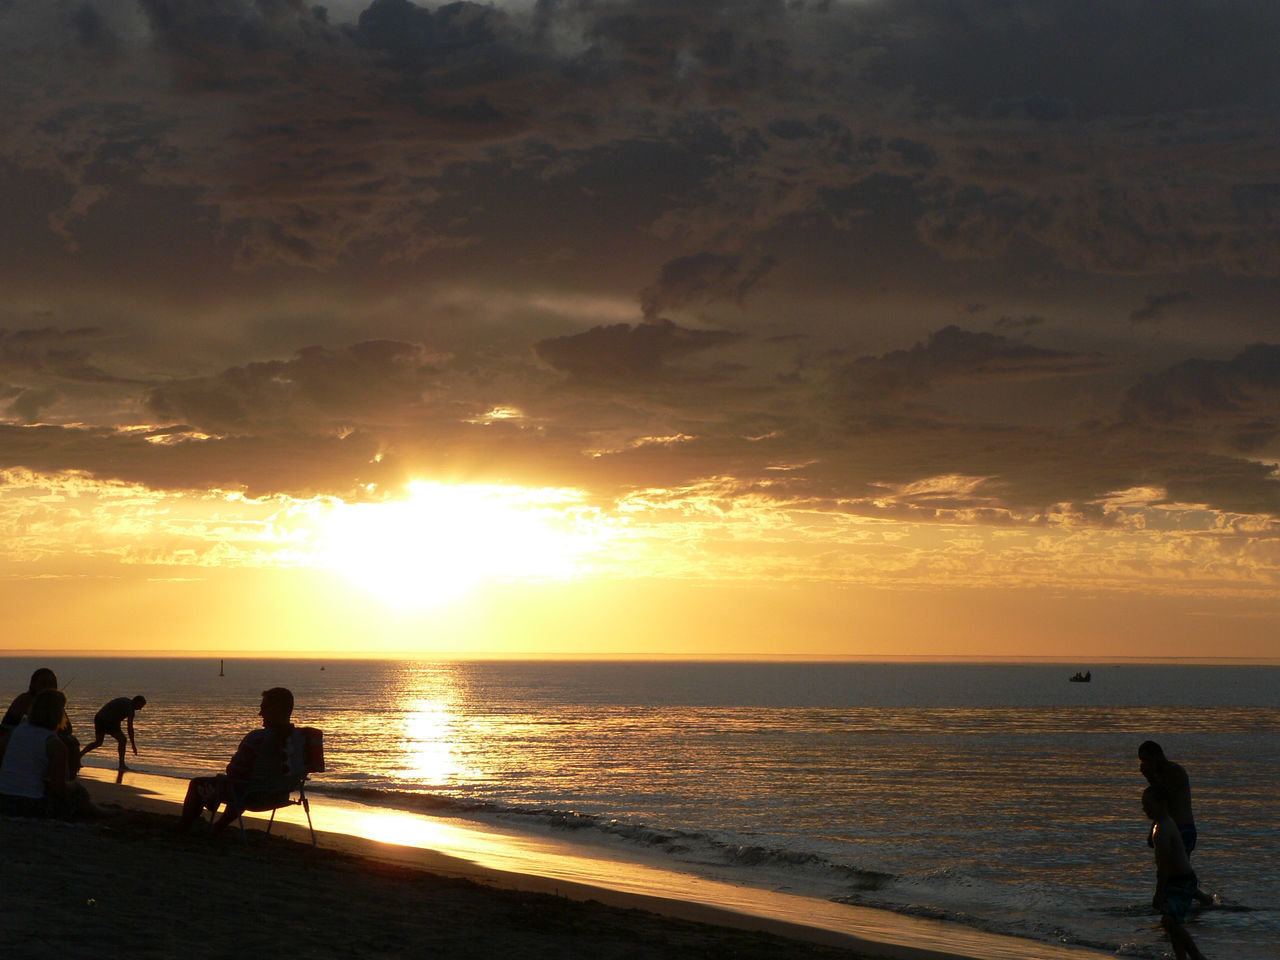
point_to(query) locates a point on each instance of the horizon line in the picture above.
(655, 657)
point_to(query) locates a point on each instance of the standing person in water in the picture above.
(1175, 880)
(108, 721)
(1162, 772)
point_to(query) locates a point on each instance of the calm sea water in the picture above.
(998, 795)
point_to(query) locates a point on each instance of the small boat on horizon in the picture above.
(1079, 677)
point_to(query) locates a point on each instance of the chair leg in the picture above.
(272, 822)
(306, 806)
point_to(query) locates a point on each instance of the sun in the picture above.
(445, 539)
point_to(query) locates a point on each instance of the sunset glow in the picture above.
(442, 540)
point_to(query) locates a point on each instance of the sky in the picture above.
(629, 327)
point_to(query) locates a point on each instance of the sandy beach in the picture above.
(131, 885)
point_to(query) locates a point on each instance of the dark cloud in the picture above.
(1018, 323)
(317, 141)
(51, 353)
(1246, 386)
(318, 391)
(26, 406)
(94, 31)
(416, 38)
(669, 53)
(703, 278)
(951, 355)
(260, 466)
(623, 352)
(1034, 107)
(197, 30)
(484, 178)
(1147, 56)
(1157, 306)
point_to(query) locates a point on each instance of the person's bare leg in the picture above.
(192, 807)
(1183, 946)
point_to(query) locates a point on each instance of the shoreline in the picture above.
(548, 879)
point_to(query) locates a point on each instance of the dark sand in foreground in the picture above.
(132, 887)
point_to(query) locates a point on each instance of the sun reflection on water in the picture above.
(430, 738)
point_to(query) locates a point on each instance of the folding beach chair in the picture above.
(304, 755)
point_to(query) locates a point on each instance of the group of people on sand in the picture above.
(1167, 803)
(40, 756)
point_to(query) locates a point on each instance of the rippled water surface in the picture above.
(997, 794)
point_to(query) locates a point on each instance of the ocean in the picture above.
(996, 795)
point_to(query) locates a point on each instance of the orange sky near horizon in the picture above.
(502, 571)
(291, 613)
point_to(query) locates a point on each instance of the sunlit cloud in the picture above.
(498, 415)
(1135, 541)
(442, 541)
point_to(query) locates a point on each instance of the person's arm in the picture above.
(241, 765)
(17, 710)
(56, 751)
(131, 743)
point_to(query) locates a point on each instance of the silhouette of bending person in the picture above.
(107, 722)
(259, 758)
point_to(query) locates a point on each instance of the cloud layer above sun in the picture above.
(918, 291)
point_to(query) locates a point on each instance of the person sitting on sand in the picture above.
(1163, 772)
(41, 679)
(35, 777)
(1175, 880)
(260, 759)
(107, 721)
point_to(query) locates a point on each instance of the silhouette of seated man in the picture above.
(261, 766)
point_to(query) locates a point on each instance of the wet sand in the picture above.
(131, 886)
